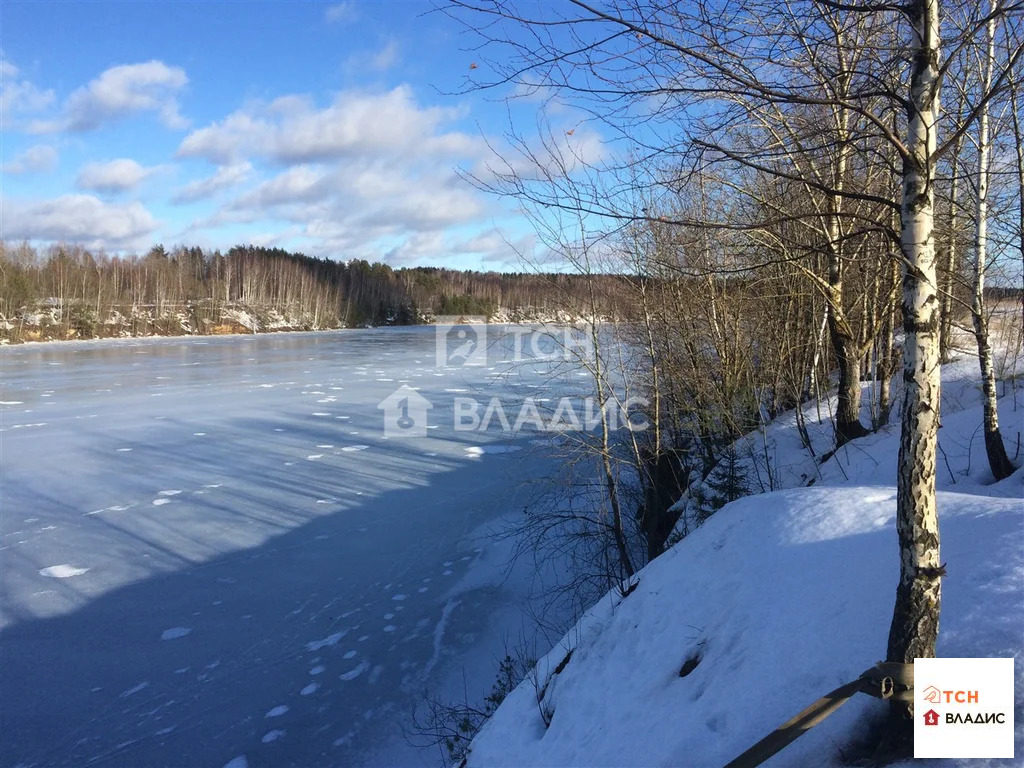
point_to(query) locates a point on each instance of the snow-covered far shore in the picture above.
(777, 599)
(54, 321)
(195, 320)
(155, 337)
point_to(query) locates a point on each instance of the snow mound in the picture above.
(776, 600)
(62, 571)
(175, 632)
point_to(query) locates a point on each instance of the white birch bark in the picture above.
(916, 615)
(998, 461)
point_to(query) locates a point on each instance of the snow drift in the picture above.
(773, 602)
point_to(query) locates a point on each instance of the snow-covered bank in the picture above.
(776, 600)
(782, 598)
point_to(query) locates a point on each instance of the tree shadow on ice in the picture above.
(246, 588)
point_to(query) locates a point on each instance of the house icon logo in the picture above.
(932, 695)
(931, 717)
(405, 413)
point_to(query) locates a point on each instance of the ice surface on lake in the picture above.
(194, 560)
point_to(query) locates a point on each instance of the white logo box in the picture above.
(963, 708)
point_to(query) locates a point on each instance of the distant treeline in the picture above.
(76, 293)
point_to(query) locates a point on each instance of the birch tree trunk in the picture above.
(915, 622)
(844, 343)
(1019, 135)
(950, 282)
(890, 354)
(998, 461)
(848, 424)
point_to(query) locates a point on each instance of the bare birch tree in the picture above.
(674, 80)
(998, 461)
(915, 622)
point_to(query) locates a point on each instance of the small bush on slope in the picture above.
(453, 726)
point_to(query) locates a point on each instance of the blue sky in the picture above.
(320, 127)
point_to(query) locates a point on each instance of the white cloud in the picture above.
(377, 61)
(115, 176)
(498, 247)
(80, 219)
(554, 154)
(40, 158)
(293, 130)
(120, 91)
(225, 177)
(344, 11)
(349, 210)
(419, 247)
(369, 175)
(428, 204)
(301, 184)
(18, 95)
(222, 142)
(386, 57)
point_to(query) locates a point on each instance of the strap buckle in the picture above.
(889, 680)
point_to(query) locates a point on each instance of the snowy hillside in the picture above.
(773, 602)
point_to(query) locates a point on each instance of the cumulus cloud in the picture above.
(115, 176)
(292, 130)
(420, 246)
(301, 184)
(40, 158)
(495, 246)
(78, 218)
(427, 205)
(120, 91)
(224, 178)
(19, 96)
(368, 175)
(359, 212)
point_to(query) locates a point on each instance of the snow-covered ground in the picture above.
(209, 551)
(779, 598)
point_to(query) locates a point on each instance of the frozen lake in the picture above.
(209, 548)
